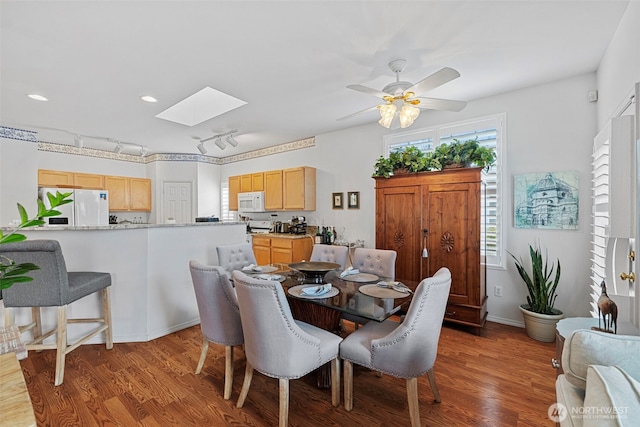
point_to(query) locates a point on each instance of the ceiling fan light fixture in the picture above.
(387, 113)
(407, 115)
(220, 143)
(202, 148)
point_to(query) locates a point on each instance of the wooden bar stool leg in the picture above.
(106, 309)
(61, 344)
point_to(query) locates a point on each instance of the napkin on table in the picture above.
(349, 271)
(316, 290)
(252, 267)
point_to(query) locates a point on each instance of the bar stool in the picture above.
(53, 286)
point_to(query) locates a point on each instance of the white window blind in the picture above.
(227, 215)
(489, 131)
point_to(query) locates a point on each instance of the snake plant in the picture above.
(541, 283)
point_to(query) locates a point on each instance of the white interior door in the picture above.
(177, 203)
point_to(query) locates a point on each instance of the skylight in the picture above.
(203, 105)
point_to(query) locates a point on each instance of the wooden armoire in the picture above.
(442, 212)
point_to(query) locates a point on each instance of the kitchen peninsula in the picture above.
(151, 292)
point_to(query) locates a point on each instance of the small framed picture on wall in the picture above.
(338, 202)
(353, 200)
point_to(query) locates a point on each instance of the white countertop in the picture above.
(121, 226)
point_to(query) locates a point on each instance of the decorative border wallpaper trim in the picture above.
(173, 157)
(19, 134)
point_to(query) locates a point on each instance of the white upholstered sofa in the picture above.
(601, 381)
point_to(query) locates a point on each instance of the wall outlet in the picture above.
(497, 291)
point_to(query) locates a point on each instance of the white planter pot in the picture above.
(540, 327)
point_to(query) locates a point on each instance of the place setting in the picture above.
(263, 272)
(313, 291)
(351, 274)
(386, 289)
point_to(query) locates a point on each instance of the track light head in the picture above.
(79, 141)
(143, 151)
(202, 148)
(220, 143)
(118, 148)
(232, 141)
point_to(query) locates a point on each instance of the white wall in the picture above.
(620, 66)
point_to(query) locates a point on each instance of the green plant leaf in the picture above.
(23, 214)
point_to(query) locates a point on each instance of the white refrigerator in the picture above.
(89, 207)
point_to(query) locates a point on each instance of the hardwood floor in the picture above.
(501, 378)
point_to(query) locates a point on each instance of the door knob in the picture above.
(631, 276)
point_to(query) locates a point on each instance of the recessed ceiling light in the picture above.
(148, 98)
(37, 97)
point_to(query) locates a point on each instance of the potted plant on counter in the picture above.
(10, 272)
(540, 315)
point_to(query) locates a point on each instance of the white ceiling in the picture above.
(290, 60)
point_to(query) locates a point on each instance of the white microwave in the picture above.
(251, 202)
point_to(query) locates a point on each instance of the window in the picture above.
(490, 133)
(227, 215)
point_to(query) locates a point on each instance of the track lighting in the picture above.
(79, 141)
(118, 148)
(143, 151)
(219, 141)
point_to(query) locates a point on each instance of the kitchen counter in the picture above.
(151, 290)
(283, 235)
(122, 226)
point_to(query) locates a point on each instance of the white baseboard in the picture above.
(504, 321)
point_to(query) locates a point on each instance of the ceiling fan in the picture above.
(406, 96)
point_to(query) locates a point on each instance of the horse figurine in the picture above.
(609, 311)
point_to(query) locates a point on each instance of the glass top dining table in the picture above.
(358, 294)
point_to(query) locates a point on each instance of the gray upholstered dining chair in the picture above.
(404, 350)
(330, 253)
(234, 257)
(53, 286)
(279, 346)
(381, 262)
(219, 315)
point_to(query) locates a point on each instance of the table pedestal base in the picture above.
(322, 317)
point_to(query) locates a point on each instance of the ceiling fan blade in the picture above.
(434, 80)
(375, 107)
(368, 90)
(441, 104)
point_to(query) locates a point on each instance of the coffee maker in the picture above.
(298, 225)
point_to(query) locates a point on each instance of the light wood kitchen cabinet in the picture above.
(284, 189)
(262, 250)
(118, 188)
(273, 190)
(234, 189)
(441, 211)
(299, 188)
(245, 183)
(257, 181)
(282, 250)
(139, 194)
(51, 178)
(88, 180)
(128, 194)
